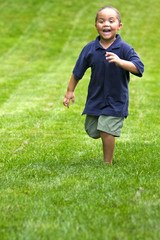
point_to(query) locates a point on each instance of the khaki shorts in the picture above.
(96, 124)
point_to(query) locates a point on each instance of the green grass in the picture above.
(53, 182)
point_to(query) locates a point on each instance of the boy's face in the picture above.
(107, 24)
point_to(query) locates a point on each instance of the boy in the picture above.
(111, 60)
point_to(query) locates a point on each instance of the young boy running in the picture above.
(111, 60)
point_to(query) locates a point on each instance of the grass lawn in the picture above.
(53, 183)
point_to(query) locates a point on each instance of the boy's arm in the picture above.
(70, 91)
(127, 65)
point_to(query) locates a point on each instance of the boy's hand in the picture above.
(127, 65)
(69, 96)
(111, 57)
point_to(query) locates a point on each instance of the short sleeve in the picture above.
(81, 64)
(134, 58)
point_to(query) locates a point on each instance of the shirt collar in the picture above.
(115, 44)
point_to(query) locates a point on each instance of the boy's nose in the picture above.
(106, 23)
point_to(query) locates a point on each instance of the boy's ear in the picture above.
(120, 26)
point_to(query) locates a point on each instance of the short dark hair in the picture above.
(117, 12)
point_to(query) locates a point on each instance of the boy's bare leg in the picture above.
(108, 146)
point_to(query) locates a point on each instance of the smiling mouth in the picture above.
(106, 30)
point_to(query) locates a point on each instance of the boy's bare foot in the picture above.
(108, 163)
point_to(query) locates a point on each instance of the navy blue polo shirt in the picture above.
(108, 88)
